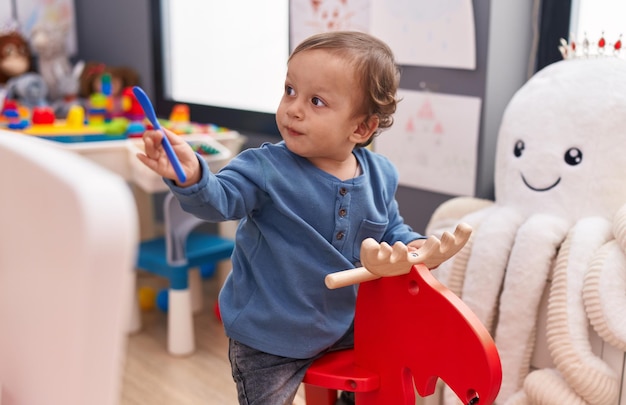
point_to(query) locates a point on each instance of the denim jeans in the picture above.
(266, 379)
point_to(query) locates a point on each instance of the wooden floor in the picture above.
(152, 376)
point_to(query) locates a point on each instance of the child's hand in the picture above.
(156, 158)
(416, 244)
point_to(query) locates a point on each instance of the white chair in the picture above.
(68, 241)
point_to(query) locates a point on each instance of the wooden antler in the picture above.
(383, 260)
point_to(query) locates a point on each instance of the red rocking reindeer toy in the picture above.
(410, 330)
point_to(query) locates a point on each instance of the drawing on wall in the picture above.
(433, 141)
(427, 33)
(33, 13)
(308, 17)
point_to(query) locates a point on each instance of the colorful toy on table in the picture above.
(43, 116)
(108, 97)
(97, 111)
(100, 121)
(135, 129)
(179, 120)
(44, 123)
(74, 128)
(107, 103)
(203, 148)
(131, 107)
(133, 113)
(180, 123)
(180, 114)
(14, 117)
(101, 103)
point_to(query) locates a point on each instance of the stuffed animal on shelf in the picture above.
(48, 42)
(29, 90)
(68, 86)
(15, 56)
(545, 268)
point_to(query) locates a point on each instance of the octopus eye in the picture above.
(519, 148)
(573, 156)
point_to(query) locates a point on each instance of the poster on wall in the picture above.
(308, 17)
(427, 33)
(434, 141)
(25, 15)
(420, 32)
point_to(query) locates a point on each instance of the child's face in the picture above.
(318, 114)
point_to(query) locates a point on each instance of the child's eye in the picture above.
(289, 91)
(317, 102)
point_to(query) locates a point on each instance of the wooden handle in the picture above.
(383, 260)
(349, 277)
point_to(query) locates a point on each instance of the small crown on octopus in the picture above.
(590, 49)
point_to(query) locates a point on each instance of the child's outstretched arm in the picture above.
(156, 159)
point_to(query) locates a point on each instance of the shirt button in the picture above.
(340, 235)
(343, 212)
(343, 191)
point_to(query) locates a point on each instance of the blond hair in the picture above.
(373, 61)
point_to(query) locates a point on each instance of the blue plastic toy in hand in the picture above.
(143, 99)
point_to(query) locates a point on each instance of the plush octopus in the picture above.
(557, 226)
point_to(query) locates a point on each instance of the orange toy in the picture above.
(410, 329)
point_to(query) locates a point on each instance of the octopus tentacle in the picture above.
(567, 333)
(448, 214)
(519, 398)
(603, 294)
(547, 387)
(451, 273)
(532, 257)
(470, 210)
(486, 266)
(619, 227)
(457, 266)
(605, 284)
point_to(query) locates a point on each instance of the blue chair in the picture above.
(173, 256)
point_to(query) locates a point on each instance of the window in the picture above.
(227, 60)
(595, 17)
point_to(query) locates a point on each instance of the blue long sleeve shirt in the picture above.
(298, 224)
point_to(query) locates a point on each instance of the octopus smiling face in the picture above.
(554, 154)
